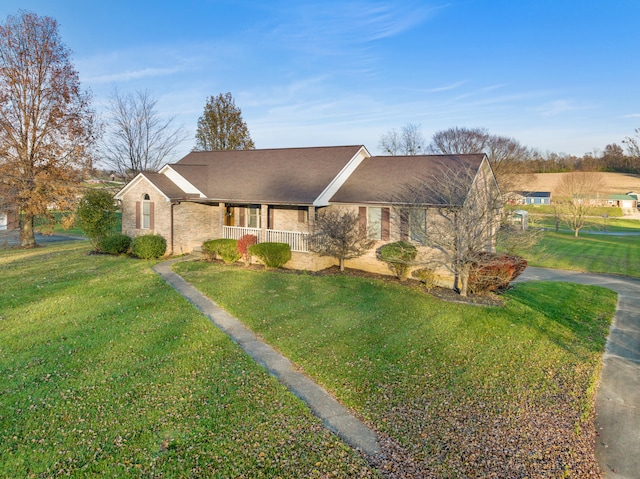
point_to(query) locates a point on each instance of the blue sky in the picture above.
(557, 75)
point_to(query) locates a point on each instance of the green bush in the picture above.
(426, 276)
(273, 255)
(148, 246)
(493, 271)
(117, 243)
(399, 256)
(226, 249)
(96, 215)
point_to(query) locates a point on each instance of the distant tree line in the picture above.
(507, 156)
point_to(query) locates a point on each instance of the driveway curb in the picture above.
(334, 415)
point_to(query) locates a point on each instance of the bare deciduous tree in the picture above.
(137, 138)
(337, 234)
(633, 147)
(46, 123)
(221, 126)
(455, 211)
(408, 142)
(507, 156)
(576, 196)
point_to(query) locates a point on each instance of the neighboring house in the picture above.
(8, 219)
(627, 201)
(532, 198)
(528, 197)
(275, 194)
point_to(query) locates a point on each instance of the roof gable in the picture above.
(275, 176)
(159, 182)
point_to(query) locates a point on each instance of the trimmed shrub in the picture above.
(426, 276)
(148, 246)
(96, 216)
(398, 256)
(493, 271)
(117, 243)
(273, 255)
(225, 249)
(243, 245)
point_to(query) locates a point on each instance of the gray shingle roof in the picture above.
(165, 185)
(382, 179)
(274, 176)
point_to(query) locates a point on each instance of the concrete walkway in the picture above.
(618, 397)
(335, 417)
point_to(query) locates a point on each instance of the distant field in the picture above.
(615, 183)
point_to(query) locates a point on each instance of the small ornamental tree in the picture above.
(494, 271)
(337, 234)
(243, 246)
(96, 216)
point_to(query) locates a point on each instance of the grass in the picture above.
(592, 224)
(58, 227)
(461, 389)
(106, 371)
(594, 253)
(596, 211)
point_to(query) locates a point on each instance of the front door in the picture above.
(229, 219)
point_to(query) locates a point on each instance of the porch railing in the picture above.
(298, 241)
(237, 232)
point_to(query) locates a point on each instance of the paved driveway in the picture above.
(618, 396)
(13, 238)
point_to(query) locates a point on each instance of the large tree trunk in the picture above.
(342, 265)
(27, 239)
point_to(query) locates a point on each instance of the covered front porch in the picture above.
(298, 241)
(288, 224)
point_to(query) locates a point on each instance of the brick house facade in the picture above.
(276, 194)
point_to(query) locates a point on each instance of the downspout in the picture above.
(173, 203)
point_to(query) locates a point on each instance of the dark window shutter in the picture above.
(270, 223)
(404, 225)
(300, 215)
(151, 215)
(137, 215)
(362, 219)
(242, 223)
(385, 224)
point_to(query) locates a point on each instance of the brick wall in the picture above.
(161, 212)
(193, 224)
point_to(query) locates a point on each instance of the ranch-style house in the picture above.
(276, 194)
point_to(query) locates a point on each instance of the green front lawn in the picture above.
(594, 253)
(106, 371)
(460, 391)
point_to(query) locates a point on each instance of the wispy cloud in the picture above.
(632, 115)
(559, 107)
(132, 75)
(333, 28)
(452, 86)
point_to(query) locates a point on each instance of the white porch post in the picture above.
(264, 220)
(223, 211)
(311, 213)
